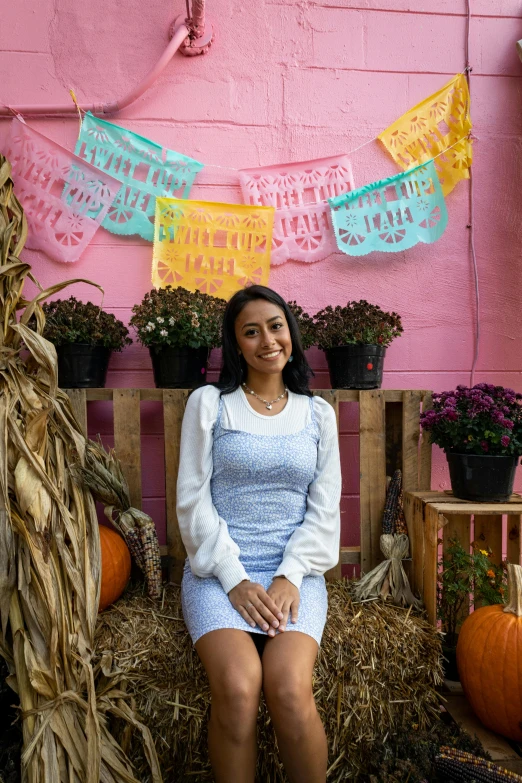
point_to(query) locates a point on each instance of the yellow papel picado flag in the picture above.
(439, 124)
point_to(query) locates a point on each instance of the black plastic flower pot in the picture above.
(179, 368)
(483, 478)
(356, 366)
(82, 366)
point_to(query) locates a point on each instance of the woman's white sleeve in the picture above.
(313, 547)
(210, 549)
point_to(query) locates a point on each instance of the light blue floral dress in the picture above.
(259, 486)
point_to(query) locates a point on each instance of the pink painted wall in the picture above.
(291, 80)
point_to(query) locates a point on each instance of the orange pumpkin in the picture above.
(489, 659)
(115, 566)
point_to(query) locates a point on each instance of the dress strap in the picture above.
(220, 411)
(312, 411)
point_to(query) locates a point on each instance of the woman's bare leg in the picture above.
(234, 671)
(288, 662)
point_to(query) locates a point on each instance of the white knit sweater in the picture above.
(313, 547)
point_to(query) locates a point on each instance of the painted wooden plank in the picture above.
(372, 446)
(332, 397)
(173, 409)
(488, 535)
(78, 400)
(350, 555)
(513, 553)
(127, 438)
(425, 449)
(410, 439)
(393, 417)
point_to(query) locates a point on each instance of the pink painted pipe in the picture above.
(179, 35)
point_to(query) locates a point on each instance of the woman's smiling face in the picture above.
(263, 336)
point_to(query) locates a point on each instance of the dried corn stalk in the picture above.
(49, 551)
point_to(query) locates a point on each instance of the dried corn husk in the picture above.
(377, 670)
(50, 551)
(389, 579)
(102, 473)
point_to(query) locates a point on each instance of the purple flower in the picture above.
(507, 423)
(451, 414)
(485, 445)
(451, 401)
(505, 440)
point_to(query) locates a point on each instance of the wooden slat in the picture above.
(414, 514)
(478, 509)
(350, 555)
(127, 439)
(458, 526)
(345, 395)
(513, 539)
(432, 523)
(425, 450)
(488, 534)
(372, 447)
(410, 439)
(173, 409)
(78, 400)
(332, 397)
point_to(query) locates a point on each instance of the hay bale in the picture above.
(376, 672)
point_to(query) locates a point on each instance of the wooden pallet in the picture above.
(429, 513)
(390, 438)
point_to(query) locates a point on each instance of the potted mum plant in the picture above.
(179, 328)
(84, 336)
(480, 430)
(355, 339)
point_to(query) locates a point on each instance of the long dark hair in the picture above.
(296, 374)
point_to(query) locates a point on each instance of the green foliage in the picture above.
(466, 579)
(357, 323)
(306, 325)
(72, 321)
(179, 318)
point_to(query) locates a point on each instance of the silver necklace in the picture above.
(268, 403)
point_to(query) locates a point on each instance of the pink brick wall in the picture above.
(290, 80)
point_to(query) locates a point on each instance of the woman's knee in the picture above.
(235, 701)
(289, 697)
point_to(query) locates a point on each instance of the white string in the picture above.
(351, 152)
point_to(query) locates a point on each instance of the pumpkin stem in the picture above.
(514, 603)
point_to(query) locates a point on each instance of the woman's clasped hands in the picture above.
(269, 609)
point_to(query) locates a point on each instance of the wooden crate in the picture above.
(389, 434)
(429, 513)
